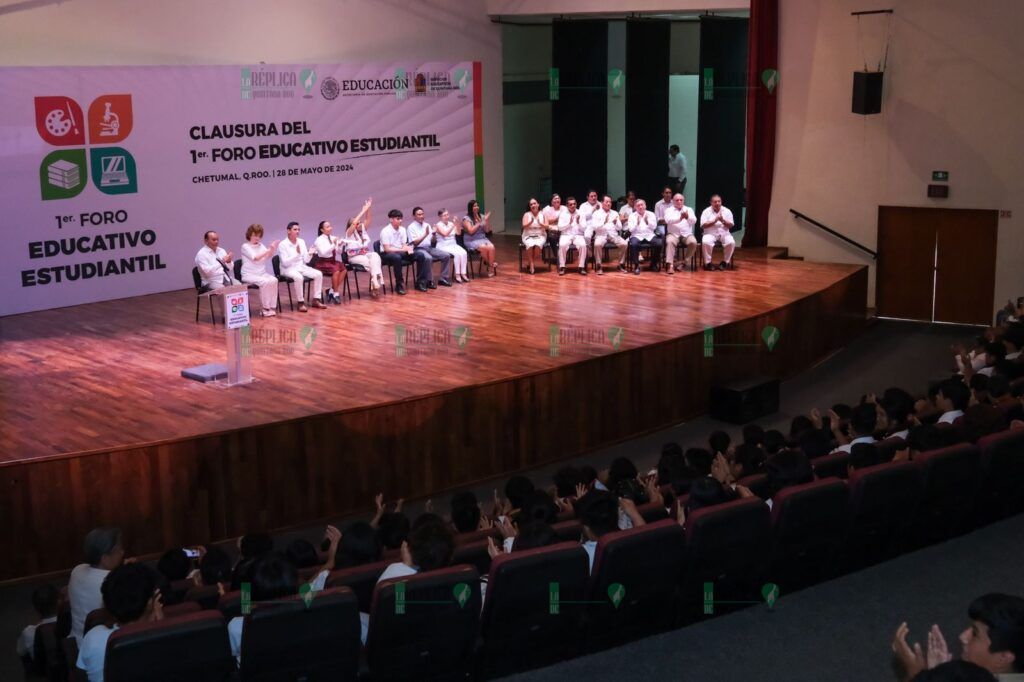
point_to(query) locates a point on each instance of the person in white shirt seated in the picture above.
(103, 553)
(863, 423)
(679, 222)
(327, 250)
(534, 233)
(255, 256)
(130, 594)
(396, 251)
(421, 234)
(214, 263)
(627, 209)
(295, 259)
(553, 213)
(44, 601)
(571, 231)
(430, 546)
(359, 248)
(952, 399)
(273, 577)
(447, 240)
(659, 208)
(588, 208)
(598, 511)
(717, 222)
(605, 226)
(475, 228)
(642, 225)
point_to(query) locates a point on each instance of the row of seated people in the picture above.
(327, 260)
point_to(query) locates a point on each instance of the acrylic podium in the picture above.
(238, 369)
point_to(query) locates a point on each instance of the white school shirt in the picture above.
(554, 217)
(951, 416)
(586, 210)
(643, 227)
(572, 224)
(27, 640)
(625, 212)
(675, 223)
(601, 224)
(84, 593)
(358, 244)
(848, 447)
(250, 266)
(93, 652)
(395, 238)
(324, 247)
(415, 231)
(660, 207)
(293, 255)
(677, 166)
(709, 214)
(211, 268)
(443, 240)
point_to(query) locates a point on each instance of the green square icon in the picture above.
(113, 170)
(63, 174)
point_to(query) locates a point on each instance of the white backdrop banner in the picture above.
(111, 175)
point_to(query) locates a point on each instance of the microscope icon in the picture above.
(110, 124)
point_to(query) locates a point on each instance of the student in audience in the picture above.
(250, 547)
(774, 441)
(753, 435)
(799, 425)
(44, 601)
(598, 511)
(994, 640)
(999, 392)
(273, 577)
(952, 400)
(700, 460)
(214, 569)
(517, 489)
(103, 553)
(302, 553)
(785, 469)
(465, 511)
(533, 534)
(863, 422)
(898, 406)
(130, 595)
(721, 444)
(359, 545)
(815, 443)
(566, 479)
(748, 460)
(173, 566)
(706, 492)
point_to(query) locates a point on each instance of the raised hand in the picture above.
(910, 658)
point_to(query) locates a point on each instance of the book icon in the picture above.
(64, 174)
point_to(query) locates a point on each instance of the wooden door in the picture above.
(965, 279)
(905, 276)
(936, 264)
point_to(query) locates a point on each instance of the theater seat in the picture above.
(950, 478)
(206, 596)
(361, 580)
(475, 554)
(728, 545)
(1002, 465)
(652, 511)
(432, 635)
(888, 448)
(883, 503)
(809, 521)
(522, 626)
(192, 647)
(835, 465)
(648, 563)
(286, 640)
(230, 604)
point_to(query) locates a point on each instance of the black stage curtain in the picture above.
(647, 64)
(579, 117)
(721, 121)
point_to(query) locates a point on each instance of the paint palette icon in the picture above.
(57, 124)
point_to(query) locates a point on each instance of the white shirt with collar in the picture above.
(590, 547)
(572, 223)
(416, 230)
(680, 222)
(293, 255)
(326, 247)
(677, 166)
(848, 447)
(93, 651)
(27, 640)
(396, 238)
(661, 207)
(709, 215)
(605, 223)
(211, 267)
(625, 212)
(554, 216)
(642, 227)
(587, 209)
(84, 593)
(951, 416)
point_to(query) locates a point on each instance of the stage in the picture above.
(410, 394)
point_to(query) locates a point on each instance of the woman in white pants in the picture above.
(535, 227)
(255, 256)
(446, 231)
(359, 248)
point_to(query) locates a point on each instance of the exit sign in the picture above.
(940, 176)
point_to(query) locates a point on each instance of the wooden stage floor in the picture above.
(476, 377)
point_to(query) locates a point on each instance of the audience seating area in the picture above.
(797, 516)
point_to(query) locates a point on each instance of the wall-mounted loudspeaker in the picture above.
(867, 92)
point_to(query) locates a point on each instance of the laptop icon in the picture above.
(113, 173)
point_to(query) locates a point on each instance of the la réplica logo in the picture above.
(60, 122)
